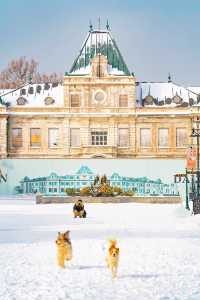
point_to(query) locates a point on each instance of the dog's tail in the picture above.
(113, 242)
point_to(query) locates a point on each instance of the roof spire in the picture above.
(169, 78)
(90, 26)
(99, 42)
(99, 23)
(149, 94)
(107, 25)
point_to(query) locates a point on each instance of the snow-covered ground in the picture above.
(160, 252)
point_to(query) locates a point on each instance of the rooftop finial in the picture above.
(107, 25)
(169, 78)
(30, 79)
(90, 26)
(99, 23)
(149, 94)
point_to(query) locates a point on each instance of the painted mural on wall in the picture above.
(51, 176)
(55, 184)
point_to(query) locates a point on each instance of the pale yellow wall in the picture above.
(171, 123)
(112, 124)
(3, 133)
(96, 115)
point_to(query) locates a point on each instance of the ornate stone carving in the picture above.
(177, 99)
(21, 101)
(149, 100)
(49, 100)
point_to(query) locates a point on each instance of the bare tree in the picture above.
(21, 70)
(45, 78)
(18, 72)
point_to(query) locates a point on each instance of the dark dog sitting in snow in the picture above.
(79, 210)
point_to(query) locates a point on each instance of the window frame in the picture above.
(122, 100)
(58, 139)
(163, 146)
(71, 100)
(77, 145)
(150, 131)
(102, 136)
(35, 146)
(181, 146)
(13, 129)
(128, 138)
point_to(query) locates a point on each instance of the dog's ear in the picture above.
(59, 233)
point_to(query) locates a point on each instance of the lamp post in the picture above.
(196, 134)
(196, 193)
(186, 190)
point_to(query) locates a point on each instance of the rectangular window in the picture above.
(181, 137)
(75, 100)
(99, 137)
(35, 137)
(123, 137)
(145, 137)
(163, 137)
(53, 137)
(75, 137)
(17, 137)
(123, 101)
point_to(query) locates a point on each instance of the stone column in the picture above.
(3, 137)
(112, 141)
(85, 132)
(66, 136)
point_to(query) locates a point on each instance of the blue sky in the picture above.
(155, 37)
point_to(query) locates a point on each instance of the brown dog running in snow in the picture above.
(112, 258)
(64, 248)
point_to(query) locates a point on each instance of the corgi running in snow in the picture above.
(64, 248)
(112, 257)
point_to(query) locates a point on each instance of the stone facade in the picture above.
(58, 118)
(134, 122)
(41, 199)
(3, 132)
(99, 112)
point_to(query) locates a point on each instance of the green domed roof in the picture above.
(99, 42)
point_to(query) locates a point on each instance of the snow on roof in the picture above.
(84, 170)
(35, 95)
(99, 42)
(194, 89)
(82, 71)
(164, 90)
(39, 95)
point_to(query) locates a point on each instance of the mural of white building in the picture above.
(57, 185)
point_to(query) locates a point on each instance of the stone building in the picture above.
(100, 111)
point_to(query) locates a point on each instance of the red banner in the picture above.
(191, 158)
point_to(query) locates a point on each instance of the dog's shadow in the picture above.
(143, 276)
(89, 267)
